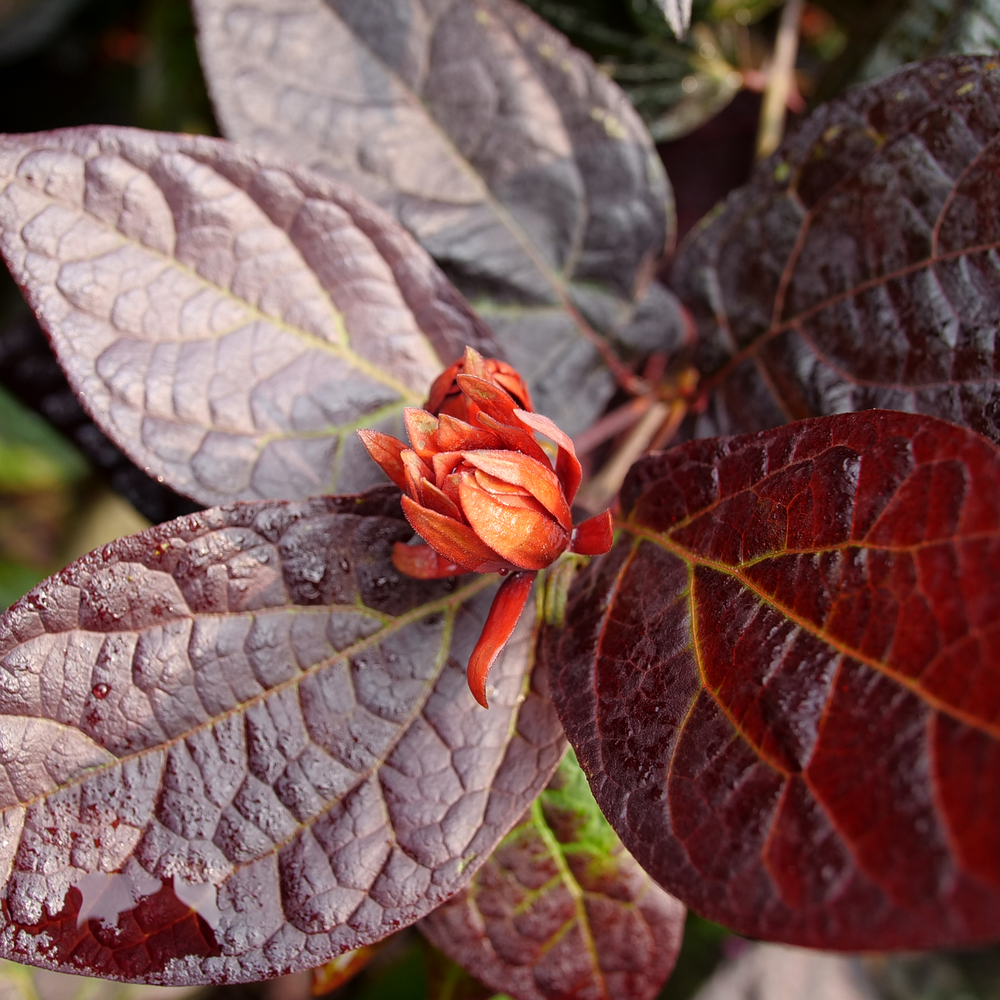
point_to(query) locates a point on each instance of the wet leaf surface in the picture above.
(858, 268)
(783, 685)
(227, 321)
(561, 910)
(239, 743)
(523, 170)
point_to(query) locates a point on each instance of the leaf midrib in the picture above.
(911, 684)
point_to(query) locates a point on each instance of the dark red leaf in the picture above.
(228, 321)
(521, 168)
(240, 743)
(784, 681)
(858, 268)
(560, 911)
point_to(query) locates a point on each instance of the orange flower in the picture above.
(482, 493)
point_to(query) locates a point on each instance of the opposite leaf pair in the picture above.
(484, 495)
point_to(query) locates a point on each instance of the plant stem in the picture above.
(780, 80)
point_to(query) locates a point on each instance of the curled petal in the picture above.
(537, 478)
(491, 399)
(434, 499)
(423, 563)
(528, 539)
(508, 378)
(457, 542)
(445, 463)
(473, 363)
(386, 451)
(422, 429)
(416, 470)
(444, 385)
(515, 438)
(457, 435)
(567, 464)
(593, 536)
(504, 613)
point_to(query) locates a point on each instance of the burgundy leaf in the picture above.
(561, 911)
(519, 166)
(240, 743)
(858, 268)
(784, 681)
(228, 321)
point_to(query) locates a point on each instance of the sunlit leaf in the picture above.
(522, 170)
(784, 681)
(227, 321)
(239, 744)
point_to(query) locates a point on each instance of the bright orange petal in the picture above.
(423, 430)
(473, 364)
(423, 563)
(567, 464)
(515, 438)
(537, 478)
(504, 613)
(416, 470)
(441, 387)
(508, 378)
(593, 536)
(444, 463)
(490, 398)
(457, 542)
(386, 450)
(457, 435)
(434, 499)
(529, 539)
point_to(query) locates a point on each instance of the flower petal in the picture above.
(456, 435)
(434, 499)
(444, 463)
(504, 614)
(515, 438)
(423, 563)
(529, 539)
(443, 386)
(457, 542)
(593, 536)
(508, 378)
(537, 478)
(386, 449)
(422, 429)
(567, 464)
(416, 470)
(490, 398)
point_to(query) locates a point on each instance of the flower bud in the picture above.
(483, 494)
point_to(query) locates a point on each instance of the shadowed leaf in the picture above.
(784, 681)
(227, 321)
(522, 170)
(560, 910)
(239, 744)
(858, 269)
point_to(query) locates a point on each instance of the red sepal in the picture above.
(423, 563)
(594, 536)
(504, 614)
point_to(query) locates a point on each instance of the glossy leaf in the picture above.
(521, 169)
(561, 911)
(240, 743)
(784, 681)
(858, 269)
(228, 321)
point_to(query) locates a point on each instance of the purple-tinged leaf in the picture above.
(519, 166)
(239, 744)
(784, 681)
(859, 268)
(227, 321)
(561, 911)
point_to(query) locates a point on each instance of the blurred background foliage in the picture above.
(134, 62)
